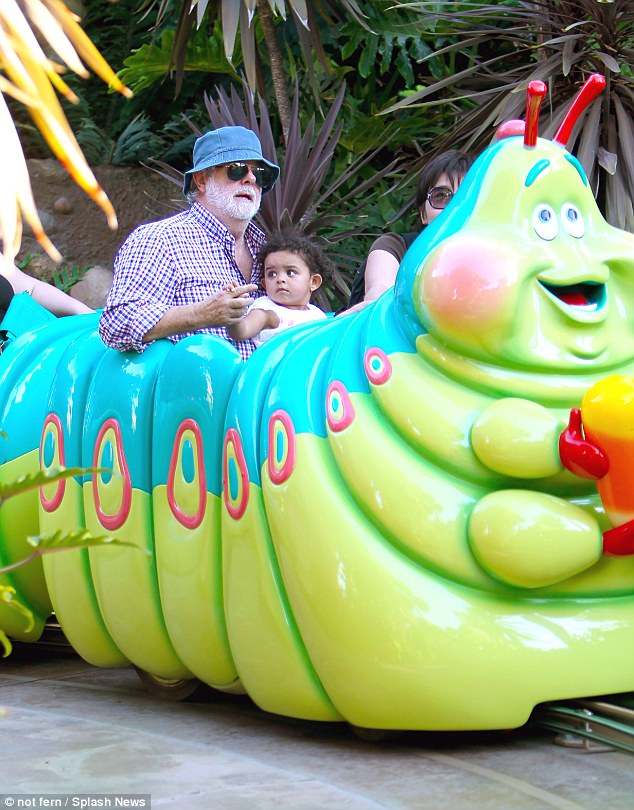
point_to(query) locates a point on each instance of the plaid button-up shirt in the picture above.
(179, 260)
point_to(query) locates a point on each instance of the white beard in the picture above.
(221, 201)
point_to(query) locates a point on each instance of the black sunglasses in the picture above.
(440, 196)
(264, 176)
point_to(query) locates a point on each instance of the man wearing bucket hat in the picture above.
(192, 272)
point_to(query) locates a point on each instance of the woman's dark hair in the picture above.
(6, 294)
(315, 258)
(453, 163)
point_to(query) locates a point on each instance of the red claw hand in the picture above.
(577, 454)
(620, 540)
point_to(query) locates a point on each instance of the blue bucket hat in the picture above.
(226, 145)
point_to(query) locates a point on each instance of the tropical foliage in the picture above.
(420, 77)
(310, 197)
(240, 16)
(502, 46)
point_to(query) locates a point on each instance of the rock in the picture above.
(49, 223)
(62, 206)
(94, 287)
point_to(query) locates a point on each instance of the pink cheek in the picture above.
(469, 283)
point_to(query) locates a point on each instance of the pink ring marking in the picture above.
(51, 504)
(232, 437)
(118, 519)
(335, 422)
(384, 373)
(189, 521)
(283, 473)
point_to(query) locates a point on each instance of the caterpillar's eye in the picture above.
(573, 221)
(545, 222)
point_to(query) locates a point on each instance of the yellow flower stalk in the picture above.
(15, 192)
(30, 76)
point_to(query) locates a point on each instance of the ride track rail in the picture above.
(608, 719)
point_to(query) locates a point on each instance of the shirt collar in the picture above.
(253, 235)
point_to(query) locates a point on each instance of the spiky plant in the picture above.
(502, 46)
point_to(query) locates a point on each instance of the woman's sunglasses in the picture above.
(440, 196)
(264, 176)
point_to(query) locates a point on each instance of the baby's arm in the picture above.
(253, 323)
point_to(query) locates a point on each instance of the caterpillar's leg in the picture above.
(532, 540)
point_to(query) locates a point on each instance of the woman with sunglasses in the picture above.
(437, 184)
(197, 270)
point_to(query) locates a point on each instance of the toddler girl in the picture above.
(293, 267)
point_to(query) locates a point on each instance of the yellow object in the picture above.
(607, 413)
(32, 78)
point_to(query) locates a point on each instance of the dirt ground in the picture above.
(78, 227)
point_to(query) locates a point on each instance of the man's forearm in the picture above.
(223, 308)
(176, 321)
(125, 326)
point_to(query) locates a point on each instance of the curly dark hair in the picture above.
(315, 258)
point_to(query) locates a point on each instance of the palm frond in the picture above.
(8, 600)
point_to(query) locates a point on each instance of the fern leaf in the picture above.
(80, 538)
(38, 479)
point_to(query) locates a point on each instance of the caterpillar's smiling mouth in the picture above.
(587, 296)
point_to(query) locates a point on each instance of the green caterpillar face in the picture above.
(536, 277)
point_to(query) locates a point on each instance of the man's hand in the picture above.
(225, 307)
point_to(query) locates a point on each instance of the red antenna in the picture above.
(535, 93)
(590, 90)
